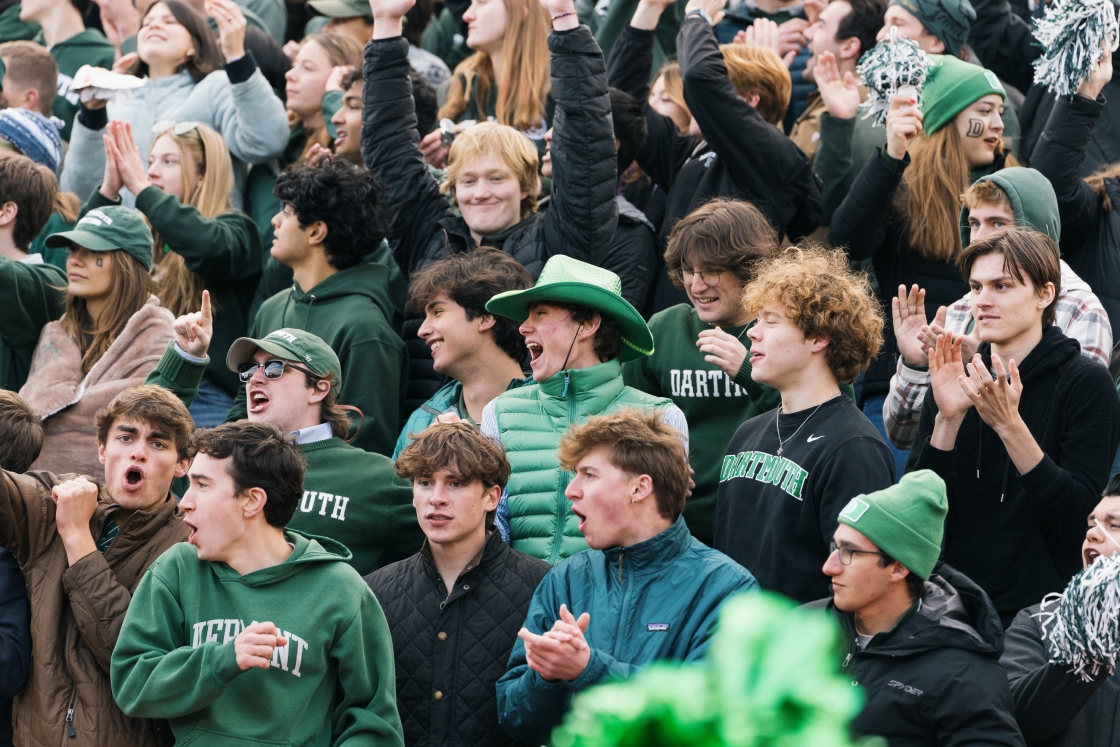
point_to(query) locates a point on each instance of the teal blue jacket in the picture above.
(445, 400)
(653, 601)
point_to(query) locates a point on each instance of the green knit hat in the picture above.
(948, 20)
(952, 86)
(906, 521)
(568, 280)
(108, 229)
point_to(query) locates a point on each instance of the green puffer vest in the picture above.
(531, 421)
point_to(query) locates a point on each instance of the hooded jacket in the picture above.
(77, 612)
(350, 312)
(331, 684)
(1028, 190)
(15, 640)
(654, 601)
(1019, 536)
(456, 644)
(68, 400)
(1055, 708)
(772, 173)
(934, 680)
(1091, 239)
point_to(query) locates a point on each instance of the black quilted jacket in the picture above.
(451, 649)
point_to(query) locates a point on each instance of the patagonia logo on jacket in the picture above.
(337, 504)
(657, 627)
(225, 630)
(690, 383)
(764, 467)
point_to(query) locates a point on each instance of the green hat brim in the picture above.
(339, 9)
(243, 349)
(85, 239)
(637, 340)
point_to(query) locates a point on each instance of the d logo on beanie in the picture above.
(855, 509)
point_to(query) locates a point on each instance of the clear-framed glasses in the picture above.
(273, 369)
(846, 553)
(710, 278)
(175, 128)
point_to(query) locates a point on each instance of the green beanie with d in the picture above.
(906, 521)
(951, 87)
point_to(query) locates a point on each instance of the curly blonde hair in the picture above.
(823, 298)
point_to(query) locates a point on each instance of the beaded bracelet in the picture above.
(563, 15)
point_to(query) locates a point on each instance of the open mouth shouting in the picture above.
(194, 531)
(133, 478)
(1090, 555)
(258, 401)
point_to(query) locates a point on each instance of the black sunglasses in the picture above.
(273, 369)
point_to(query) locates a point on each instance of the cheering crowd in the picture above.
(391, 373)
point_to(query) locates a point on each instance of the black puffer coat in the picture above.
(742, 156)
(456, 645)
(935, 679)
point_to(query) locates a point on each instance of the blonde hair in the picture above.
(130, 288)
(207, 185)
(340, 50)
(759, 70)
(670, 74)
(503, 142)
(523, 82)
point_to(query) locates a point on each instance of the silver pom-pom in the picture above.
(1072, 33)
(1083, 622)
(892, 66)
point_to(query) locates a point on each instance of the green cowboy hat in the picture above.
(568, 280)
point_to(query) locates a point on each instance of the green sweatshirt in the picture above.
(53, 256)
(90, 47)
(332, 684)
(225, 251)
(13, 29)
(714, 404)
(350, 311)
(30, 302)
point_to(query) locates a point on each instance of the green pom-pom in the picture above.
(891, 65)
(1083, 622)
(1072, 33)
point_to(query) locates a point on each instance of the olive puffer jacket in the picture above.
(77, 612)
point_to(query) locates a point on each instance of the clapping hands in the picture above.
(561, 653)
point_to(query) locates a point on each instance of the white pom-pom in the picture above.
(891, 67)
(1072, 33)
(1083, 622)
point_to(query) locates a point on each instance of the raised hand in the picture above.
(813, 9)
(1091, 86)
(254, 646)
(996, 399)
(231, 28)
(194, 331)
(130, 165)
(908, 312)
(791, 35)
(111, 181)
(763, 33)
(904, 122)
(433, 150)
(945, 370)
(714, 8)
(334, 80)
(119, 20)
(387, 15)
(557, 655)
(648, 13)
(724, 350)
(75, 501)
(969, 343)
(840, 94)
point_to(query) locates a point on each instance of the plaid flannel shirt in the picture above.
(1079, 315)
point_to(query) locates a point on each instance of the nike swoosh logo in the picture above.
(813, 438)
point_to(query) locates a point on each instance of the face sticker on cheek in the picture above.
(975, 128)
(100, 262)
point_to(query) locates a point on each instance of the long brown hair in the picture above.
(340, 50)
(1096, 182)
(130, 288)
(523, 82)
(929, 200)
(207, 188)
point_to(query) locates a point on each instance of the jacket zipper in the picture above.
(620, 567)
(70, 714)
(561, 499)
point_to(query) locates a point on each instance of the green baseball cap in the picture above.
(108, 229)
(295, 345)
(568, 280)
(342, 8)
(906, 521)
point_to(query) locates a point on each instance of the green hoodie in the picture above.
(350, 311)
(13, 29)
(1032, 198)
(34, 294)
(332, 684)
(90, 47)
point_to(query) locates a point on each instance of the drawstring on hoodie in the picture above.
(307, 316)
(564, 368)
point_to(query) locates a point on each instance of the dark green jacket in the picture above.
(13, 29)
(443, 39)
(351, 310)
(225, 251)
(29, 303)
(87, 48)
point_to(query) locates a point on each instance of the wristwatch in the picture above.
(702, 13)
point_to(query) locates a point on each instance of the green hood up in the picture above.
(1032, 199)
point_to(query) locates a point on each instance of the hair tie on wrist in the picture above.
(558, 16)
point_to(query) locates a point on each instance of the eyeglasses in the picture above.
(846, 553)
(175, 128)
(709, 277)
(273, 369)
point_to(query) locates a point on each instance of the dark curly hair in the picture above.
(351, 202)
(471, 279)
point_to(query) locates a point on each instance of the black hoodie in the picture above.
(935, 678)
(1019, 536)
